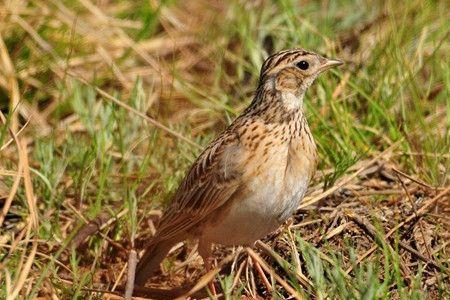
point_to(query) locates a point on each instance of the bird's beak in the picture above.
(330, 63)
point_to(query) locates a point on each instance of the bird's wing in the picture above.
(211, 181)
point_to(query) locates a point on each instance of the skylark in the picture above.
(252, 177)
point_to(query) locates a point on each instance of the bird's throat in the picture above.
(291, 101)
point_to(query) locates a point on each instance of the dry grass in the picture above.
(104, 104)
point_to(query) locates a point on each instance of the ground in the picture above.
(105, 104)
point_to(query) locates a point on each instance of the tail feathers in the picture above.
(150, 261)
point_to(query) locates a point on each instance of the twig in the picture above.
(93, 226)
(419, 182)
(133, 256)
(59, 263)
(249, 278)
(284, 264)
(372, 232)
(136, 112)
(148, 293)
(116, 283)
(89, 228)
(420, 212)
(5, 145)
(262, 275)
(422, 231)
(13, 86)
(305, 223)
(369, 228)
(434, 155)
(112, 242)
(132, 261)
(12, 247)
(296, 258)
(238, 274)
(280, 280)
(208, 277)
(105, 95)
(12, 192)
(33, 221)
(334, 231)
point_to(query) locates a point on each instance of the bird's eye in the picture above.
(303, 64)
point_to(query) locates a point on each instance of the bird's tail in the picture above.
(150, 261)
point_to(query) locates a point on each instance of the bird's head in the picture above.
(291, 72)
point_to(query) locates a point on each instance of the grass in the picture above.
(67, 67)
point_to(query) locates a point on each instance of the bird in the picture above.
(253, 176)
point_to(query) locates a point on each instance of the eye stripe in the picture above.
(288, 55)
(297, 55)
(281, 58)
(285, 56)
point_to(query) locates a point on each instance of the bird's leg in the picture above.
(204, 249)
(211, 284)
(259, 269)
(262, 275)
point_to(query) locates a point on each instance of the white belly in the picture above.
(271, 198)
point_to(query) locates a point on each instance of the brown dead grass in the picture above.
(91, 46)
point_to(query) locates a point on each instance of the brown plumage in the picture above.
(252, 177)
